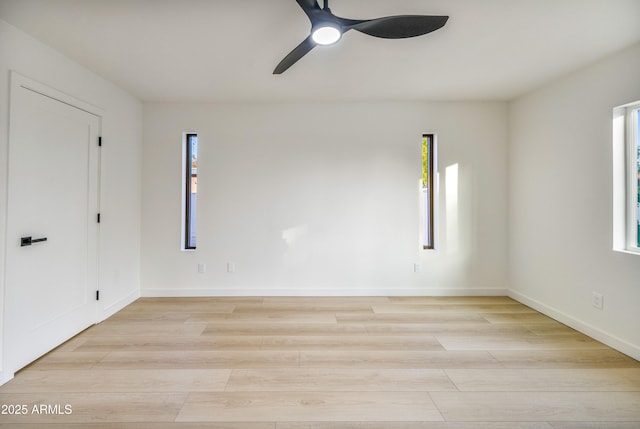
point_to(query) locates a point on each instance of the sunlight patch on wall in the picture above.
(452, 215)
(294, 238)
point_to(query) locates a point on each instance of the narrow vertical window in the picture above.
(633, 177)
(191, 190)
(626, 178)
(636, 172)
(427, 191)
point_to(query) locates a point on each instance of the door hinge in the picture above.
(97, 295)
(100, 141)
(98, 217)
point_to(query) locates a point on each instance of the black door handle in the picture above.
(28, 241)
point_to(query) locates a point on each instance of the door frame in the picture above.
(19, 82)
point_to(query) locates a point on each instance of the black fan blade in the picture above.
(309, 6)
(300, 51)
(396, 27)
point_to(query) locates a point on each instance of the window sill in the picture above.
(628, 251)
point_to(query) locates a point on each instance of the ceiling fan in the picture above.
(327, 29)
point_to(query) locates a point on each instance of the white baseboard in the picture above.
(112, 309)
(244, 292)
(4, 377)
(612, 341)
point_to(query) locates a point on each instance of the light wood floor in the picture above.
(329, 363)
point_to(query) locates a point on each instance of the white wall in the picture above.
(342, 178)
(560, 202)
(120, 191)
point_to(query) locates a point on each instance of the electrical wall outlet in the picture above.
(202, 268)
(231, 267)
(597, 300)
(416, 268)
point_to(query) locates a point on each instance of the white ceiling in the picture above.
(226, 50)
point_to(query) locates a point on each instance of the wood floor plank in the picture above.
(283, 329)
(350, 342)
(416, 425)
(313, 406)
(199, 359)
(70, 360)
(596, 425)
(452, 300)
(170, 343)
(556, 329)
(149, 316)
(127, 380)
(97, 407)
(546, 380)
(316, 305)
(265, 317)
(143, 425)
(322, 302)
(597, 358)
(207, 305)
(470, 328)
(466, 308)
(538, 406)
(314, 425)
(410, 317)
(517, 318)
(338, 380)
(72, 344)
(397, 359)
(517, 342)
(145, 329)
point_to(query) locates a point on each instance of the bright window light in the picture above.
(428, 191)
(190, 190)
(635, 173)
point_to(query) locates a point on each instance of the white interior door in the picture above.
(53, 194)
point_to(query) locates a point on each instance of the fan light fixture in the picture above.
(326, 34)
(327, 29)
